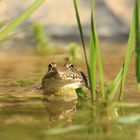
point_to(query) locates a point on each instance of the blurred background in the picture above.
(58, 20)
(51, 34)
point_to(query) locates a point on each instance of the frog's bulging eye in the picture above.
(50, 65)
(71, 65)
(72, 68)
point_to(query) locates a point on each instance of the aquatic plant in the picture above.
(21, 82)
(106, 116)
(73, 51)
(95, 52)
(20, 19)
(137, 36)
(3, 23)
(133, 47)
(41, 39)
(108, 92)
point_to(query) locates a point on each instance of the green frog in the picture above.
(63, 79)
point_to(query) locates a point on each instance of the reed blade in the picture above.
(92, 55)
(129, 53)
(96, 51)
(81, 34)
(100, 68)
(20, 19)
(137, 36)
(114, 85)
(83, 43)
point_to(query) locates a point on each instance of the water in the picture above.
(35, 120)
(26, 114)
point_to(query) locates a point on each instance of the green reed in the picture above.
(93, 44)
(95, 52)
(41, 39)
(137, 34)
(133, 39)
(111, 89)
(128, 56)
(82, 36)
(81, 31)
(20, 19)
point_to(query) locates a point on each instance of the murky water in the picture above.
(26, 114)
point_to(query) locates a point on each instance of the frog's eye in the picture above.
(71, 65)
(50, 65)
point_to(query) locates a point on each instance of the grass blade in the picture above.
(100, 68)
(137, 35)
(81, 34)
(129, 52)
(114, 85)
(92, 55)
(94, 45)
(20, 19)
(95, 51)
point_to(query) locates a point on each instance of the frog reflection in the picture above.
(59, 109)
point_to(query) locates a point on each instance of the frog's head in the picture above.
(59, 76)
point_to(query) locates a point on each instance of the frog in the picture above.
(63, 79)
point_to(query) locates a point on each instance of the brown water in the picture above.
(26, 114)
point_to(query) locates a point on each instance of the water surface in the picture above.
(26, 114)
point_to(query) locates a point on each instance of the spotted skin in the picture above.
(59, 76)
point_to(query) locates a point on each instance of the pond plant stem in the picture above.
(133, 37)
(20, 19)
(137, 44)
(92, 55)
(125, 66)
(95, 52)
